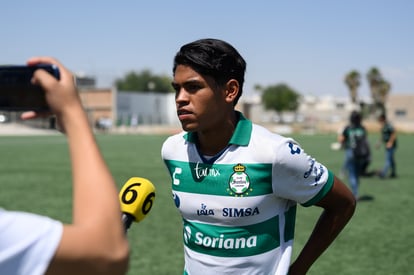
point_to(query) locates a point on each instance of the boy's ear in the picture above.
(232, 90)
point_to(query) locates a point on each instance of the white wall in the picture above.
(146, 108)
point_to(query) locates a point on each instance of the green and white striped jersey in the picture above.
(239, 207)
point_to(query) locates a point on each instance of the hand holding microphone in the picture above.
(136, 198)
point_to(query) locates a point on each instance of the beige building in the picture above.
(315, 114)
(330, 114)
(400, 111)
(99, 104)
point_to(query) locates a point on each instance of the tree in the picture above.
(383, 91)
(374, 78)
(144, 81)
(380, 89)
(280, 98)
(352, 80)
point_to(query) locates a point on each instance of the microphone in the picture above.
(136, 197)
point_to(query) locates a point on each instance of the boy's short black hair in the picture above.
(215, 58)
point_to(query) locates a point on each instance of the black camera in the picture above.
(17, 93)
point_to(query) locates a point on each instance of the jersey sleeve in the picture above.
(299, 177)
(28, 242)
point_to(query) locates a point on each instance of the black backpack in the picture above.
(358, 142)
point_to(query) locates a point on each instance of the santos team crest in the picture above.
(239, 182)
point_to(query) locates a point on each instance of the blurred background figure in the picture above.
(357, 150)
(389, 138)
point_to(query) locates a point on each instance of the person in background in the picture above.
(95, 242)
(236, 184)
(389, 139)
(357, 151)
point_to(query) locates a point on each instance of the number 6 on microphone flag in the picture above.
(137, 197)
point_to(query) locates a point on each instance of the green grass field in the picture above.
(35, 176)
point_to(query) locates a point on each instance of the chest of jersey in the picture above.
(224, 193)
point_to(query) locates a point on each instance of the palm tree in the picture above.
(380, 88)
(352, 80)
(383, 91)
(375, 79)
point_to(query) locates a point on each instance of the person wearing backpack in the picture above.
(357, 151)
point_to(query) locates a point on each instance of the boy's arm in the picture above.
(338, 207)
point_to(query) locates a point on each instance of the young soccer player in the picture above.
(235, 183)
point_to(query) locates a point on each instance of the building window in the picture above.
(400, 113)
(340, 105)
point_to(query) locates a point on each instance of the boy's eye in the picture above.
(175, 87)
(191, 88)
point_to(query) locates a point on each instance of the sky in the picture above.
(308, 45)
